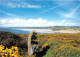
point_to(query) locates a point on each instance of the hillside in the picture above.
(10, 42)
(58, 44)
(50, 45)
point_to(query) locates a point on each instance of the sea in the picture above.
(19, 31)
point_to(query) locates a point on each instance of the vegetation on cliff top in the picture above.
(51, 44)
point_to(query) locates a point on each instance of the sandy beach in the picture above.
(66, 31)
(36, 29)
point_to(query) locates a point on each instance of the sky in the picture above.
(39, 13)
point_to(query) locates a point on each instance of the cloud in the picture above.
(22, 5)
(33, 23)
(52, 8)
(71, 14)
(9, 14)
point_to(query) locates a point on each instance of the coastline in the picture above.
(49, 30)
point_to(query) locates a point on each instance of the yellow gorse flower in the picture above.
(9, 52)
(44, 45)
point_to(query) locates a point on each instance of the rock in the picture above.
(32, 43)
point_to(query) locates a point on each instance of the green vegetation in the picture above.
(61, 44)
(50, 45)
(66, 28)
(58, 49)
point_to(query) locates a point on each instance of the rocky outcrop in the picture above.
(32, 43)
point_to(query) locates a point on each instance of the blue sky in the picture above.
(33, 13)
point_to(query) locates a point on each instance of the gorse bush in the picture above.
(61, 44)
(8, 39)
(58, 49)
(12, 52)
(54, 45)
(50, 45)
